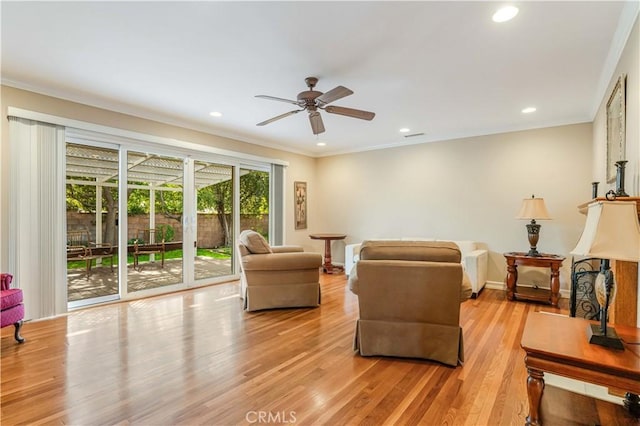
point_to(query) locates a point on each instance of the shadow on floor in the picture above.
(103, 282)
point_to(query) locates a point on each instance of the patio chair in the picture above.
(12, 310)
(146, 244)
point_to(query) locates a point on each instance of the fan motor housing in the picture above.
(308, 96)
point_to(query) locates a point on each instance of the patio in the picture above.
(103, 282)
(154, 213)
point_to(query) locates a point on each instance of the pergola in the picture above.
(99, 167)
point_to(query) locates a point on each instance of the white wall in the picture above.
(300, 167)
(628, 64)
(461, 189)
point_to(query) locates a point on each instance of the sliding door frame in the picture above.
(82, 132)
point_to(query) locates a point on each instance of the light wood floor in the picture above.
(196, 358)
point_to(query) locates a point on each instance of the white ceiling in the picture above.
(441, 68)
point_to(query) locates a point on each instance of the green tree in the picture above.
(82, 198)
(254, 193)
(218, 199)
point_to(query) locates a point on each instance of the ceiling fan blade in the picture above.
(316, 122)
(286, 114)
(350, 112)
(333, 95)
(273, 98)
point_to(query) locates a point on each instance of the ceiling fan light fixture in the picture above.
(321, 144)
(313, 100)
(505, 14)
(404, 130)
(215, 114)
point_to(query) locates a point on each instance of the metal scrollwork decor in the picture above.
(582, 301)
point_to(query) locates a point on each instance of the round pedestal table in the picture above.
(327, 266)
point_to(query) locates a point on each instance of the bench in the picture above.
(146, 244)
(80, 247)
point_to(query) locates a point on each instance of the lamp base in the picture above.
(610, 340)
(533, 252)
(533, 233)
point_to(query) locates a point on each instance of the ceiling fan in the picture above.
(312, 100)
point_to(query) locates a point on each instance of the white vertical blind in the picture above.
(37, 215)
(276, 208)
(36, 235)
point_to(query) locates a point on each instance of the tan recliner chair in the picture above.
(409, 294)
(278, 276)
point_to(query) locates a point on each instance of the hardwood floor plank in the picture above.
(196, 357)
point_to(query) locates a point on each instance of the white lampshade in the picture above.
(612, 231)
(533, 208)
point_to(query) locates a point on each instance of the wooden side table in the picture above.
(327, 266)
(551, 261)
(558, 344)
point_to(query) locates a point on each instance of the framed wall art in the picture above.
(300, 197)
(616, 127)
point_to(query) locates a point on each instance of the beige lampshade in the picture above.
(533, 208)
(612, 231)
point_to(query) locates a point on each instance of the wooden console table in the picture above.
(551, 261)
(558, 344)
(327, 266)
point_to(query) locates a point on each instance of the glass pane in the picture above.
(92, 201)
(254, 201)
(154, 215)
(214, 189)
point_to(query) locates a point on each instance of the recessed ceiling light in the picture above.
(321, 144)
(215, 114)
(529, 110)
(505, 14)
(404, 130)
(414, 135)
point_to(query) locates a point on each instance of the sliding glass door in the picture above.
(139, 221)
(154, 221)
(214, 220)
(254, 201)
(91, 223)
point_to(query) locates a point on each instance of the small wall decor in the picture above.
(300, 197)
(616, 127)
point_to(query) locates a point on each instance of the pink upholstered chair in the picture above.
(12, 311)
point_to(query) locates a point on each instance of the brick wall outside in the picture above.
(210, 233)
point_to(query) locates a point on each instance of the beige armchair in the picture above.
(278, 276)
(409, 294)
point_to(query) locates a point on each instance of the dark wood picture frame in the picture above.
(300, 207)
(616, 127)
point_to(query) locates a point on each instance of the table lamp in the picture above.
(611, 231)
(533, 209)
